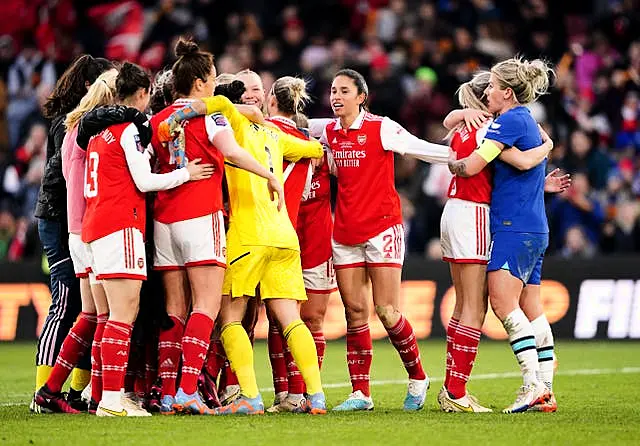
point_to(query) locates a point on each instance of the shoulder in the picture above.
(370, 117)
(218, 119)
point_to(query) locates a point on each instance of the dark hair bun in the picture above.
(184, 47)
(232, 91)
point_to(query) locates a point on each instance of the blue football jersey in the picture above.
(517, 199)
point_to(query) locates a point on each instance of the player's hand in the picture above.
(316, 163)
(556, 182)
(474, 118)
(199, 171)
(545, 137)
(276, 188)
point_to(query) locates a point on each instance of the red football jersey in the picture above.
(113, 200)
(478, 187)
(315, 223)
(367, 201)
(195, 198)
(296, 178)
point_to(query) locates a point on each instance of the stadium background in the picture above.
(414, 55)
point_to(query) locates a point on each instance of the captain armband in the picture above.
(488, 150)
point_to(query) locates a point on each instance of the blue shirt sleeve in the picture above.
(507, 129)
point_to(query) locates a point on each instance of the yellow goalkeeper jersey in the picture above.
(254, 218)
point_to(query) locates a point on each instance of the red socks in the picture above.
(195, 344)
(75, 345)
(451, 332)
(359, 355)
(96, 358)
(115, 354)
(215, 358)
(169, 350)
(464, 351)
(275, 341)
(295, 382)
(404, 340)
(321, 345)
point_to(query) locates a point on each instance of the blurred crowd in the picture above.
(414, 54)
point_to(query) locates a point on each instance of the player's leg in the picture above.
(466, 338)
(353, 285)
(102, 310)
(177, 302)
(276, 343)
(282, 289)
(319, 283)
(206, 288)
(123, 297)
(65, 300)
(454, 321)
(76, 344)
(240, 354)
(120, 262)
(384, 256)
(511, 263)
(246, 267)
(531, 304)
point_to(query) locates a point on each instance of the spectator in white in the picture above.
(26, 74)
(577, 245)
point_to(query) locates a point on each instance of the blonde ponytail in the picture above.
(471, 93)
(101, 92)
(291, 95)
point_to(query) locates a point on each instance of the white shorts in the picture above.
(119, 255)
(320, 279)
(82, 258)
(464, 232)
(194, 242)
(385, 249)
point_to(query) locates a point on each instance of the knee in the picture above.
(388, 314)
(500, 307)
(313, 321)
(356, 313)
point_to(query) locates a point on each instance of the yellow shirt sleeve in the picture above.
(221, 104)
(294, 148)
(488, 150)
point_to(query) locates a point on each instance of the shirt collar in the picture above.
(283, 120)
(356, 125)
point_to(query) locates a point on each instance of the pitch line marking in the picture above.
(477, 377)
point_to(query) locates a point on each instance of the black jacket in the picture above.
(100, 118)
(52, 200)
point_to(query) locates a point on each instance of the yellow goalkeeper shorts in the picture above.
(278, 271)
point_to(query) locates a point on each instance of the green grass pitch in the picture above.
(597, 386)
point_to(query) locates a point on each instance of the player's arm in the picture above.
(478, 160)
(239, 157)
(294, 149)
(396, 138)
(470, 117)
(317, 126)
(140, 169)
(528, 159)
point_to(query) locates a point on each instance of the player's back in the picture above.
(254, 217)
(517, 199)
(295, 173)
(476, 188)
(195, 198)
(113, 200)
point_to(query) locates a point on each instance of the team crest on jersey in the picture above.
(136, 138)
(140, 262)
(362, 139)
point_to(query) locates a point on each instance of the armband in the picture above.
(488, 150)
